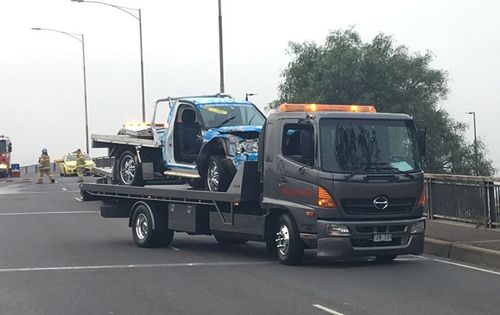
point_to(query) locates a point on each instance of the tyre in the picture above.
(143, 233)
(129, 170)
(227, 240)
(290, 248)
(386, 258)
(219, 173)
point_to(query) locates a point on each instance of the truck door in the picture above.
(296, 160)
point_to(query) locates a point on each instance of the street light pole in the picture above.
(138, 18)
(475, 142)
(81, 39)
(221, 52)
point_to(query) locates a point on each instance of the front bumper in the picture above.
(360, 242)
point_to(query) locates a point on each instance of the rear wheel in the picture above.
(143, 232)
(219, 173)
(290, 248)
(129, 170)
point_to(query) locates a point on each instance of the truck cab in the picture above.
(350, 178)
(5, 151)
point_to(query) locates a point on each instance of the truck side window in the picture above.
(298, 143)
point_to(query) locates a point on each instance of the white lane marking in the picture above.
(174, 248)
(466, 266)
(47, 212)
(137, 266)
(419, 257)
(326, 309)
(36, 192)
(64, 189)
(78, 199)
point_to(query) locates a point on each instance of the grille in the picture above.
(370, 229)
(366, 242)
(365, 206)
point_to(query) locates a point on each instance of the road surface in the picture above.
(58, 256)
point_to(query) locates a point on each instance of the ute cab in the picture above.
(5, 152)
(207, 138)
(351, 178)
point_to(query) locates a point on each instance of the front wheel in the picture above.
(129, 170)
(290, 248)
(144, 234)
(219, 173)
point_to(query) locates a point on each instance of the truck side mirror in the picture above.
(10, 147)
(422, 141)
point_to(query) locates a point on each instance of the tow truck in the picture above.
(5, 150)
(342, 179)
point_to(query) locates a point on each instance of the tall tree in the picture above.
(346, 70)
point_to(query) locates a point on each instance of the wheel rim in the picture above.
(127, 169)
(283, 240)
(213, 176)
(141, 226)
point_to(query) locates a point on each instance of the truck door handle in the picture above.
(282, 180)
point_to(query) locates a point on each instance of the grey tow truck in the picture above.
(339, 178)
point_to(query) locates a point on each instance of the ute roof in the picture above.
(215, 101)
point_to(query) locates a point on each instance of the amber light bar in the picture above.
(326, 108)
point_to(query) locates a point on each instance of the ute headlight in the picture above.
(247, 147)
(337, 230)
(417, 228)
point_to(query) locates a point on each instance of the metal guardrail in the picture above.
(471, 199)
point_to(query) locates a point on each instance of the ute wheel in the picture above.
(219, 173)
(129, 170)
(227, 240)
(386, 258)
(143, 233)
(290, 248)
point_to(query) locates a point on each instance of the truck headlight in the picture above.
(3, 165)
(337, 230)
(417, 228)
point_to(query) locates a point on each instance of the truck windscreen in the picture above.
(215, 116)
(368, 146)
(3, 146)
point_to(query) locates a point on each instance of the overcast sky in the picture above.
(41, 79)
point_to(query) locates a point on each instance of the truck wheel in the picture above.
(227, 240)
(386, 258)
(288, 243)
(143, 233)
(129, 170)
(218, 173)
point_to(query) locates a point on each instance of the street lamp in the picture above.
(137, 17)
(221, 53)
(475, 141)
(249, 94)
(80, 38)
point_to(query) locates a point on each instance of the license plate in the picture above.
(382, 237)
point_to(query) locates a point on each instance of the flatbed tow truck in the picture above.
(342, 179)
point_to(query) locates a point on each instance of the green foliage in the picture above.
(345, 70)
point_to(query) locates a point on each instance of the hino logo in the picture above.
(380, 202)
